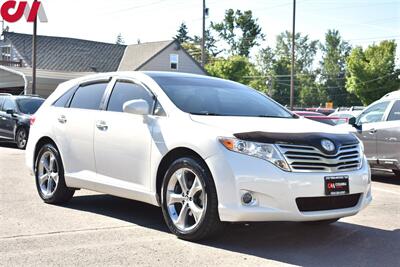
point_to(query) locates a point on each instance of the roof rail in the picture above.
(7, 94)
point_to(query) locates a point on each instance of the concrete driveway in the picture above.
(96, 230)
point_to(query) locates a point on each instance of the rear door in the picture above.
(388, 138)
(370, 121)
(75, 126)
(122, 140)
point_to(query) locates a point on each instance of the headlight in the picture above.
(259, 150)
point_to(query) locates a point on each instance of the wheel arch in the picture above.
(39, 144)
(168, 159)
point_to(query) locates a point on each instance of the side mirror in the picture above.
(138, 107)
(353, 122)
(10, 111)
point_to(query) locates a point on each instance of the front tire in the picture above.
(21, 138)
(49, 173)
(189, 200)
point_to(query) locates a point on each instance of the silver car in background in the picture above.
(378, 126)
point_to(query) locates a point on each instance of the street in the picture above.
(97, 230)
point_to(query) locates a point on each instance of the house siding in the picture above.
(161, 62)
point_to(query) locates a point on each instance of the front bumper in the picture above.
(276, 191)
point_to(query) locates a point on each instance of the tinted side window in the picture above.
(8, 104)
(374, 113)
(126, 91)
(63, 100)
(394, 114)
(89, 96)
(1, 101)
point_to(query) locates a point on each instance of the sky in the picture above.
(361, 22)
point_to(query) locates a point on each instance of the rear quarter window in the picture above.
(64, 99)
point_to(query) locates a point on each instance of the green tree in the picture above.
(182, 35)
(333, 69)
(235, 68)
(275, 65)
(312, 93)
(120, 39)
(240, 31)
(372, 73)
(305, 50)
(210, 43)
(194, 50)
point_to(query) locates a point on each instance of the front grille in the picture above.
(327, 203)
(308, 158)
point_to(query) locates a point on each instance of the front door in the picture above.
(388, 138)
(122, 140)
(368, 122)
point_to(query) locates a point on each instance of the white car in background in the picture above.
(344, 116)
(206, 150)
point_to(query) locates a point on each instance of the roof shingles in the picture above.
(68, 54)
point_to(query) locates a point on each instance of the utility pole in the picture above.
(203, 53)
(34, 46)
(293, 57)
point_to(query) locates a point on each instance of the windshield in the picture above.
(29, 105)
(217, 97)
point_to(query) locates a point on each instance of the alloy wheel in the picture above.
(186, 199)
(21, 138)
(48, 175)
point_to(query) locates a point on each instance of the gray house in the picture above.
(60, 59)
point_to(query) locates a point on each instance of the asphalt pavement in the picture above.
(101, 230)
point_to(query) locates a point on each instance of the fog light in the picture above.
(247, 198)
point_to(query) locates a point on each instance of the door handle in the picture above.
(62, 119)
(372, 131)
(102, 125)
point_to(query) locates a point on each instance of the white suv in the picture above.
(206, 150)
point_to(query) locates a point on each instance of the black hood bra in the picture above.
(306, 139)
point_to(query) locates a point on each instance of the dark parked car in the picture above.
(15, 116)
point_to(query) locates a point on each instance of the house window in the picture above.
(174, 61)
(5, 53)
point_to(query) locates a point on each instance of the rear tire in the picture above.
(189, 200)
(21, 138)
(49, 174)
(322, 222)
(397, 173)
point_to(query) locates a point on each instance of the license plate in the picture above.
(336, 185)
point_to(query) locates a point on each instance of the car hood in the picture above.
(235, 125)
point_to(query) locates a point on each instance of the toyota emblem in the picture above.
(328, 145)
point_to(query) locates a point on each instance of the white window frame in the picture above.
(174, 59)
(5, 56)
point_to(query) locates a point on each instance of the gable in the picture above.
(161, 62)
